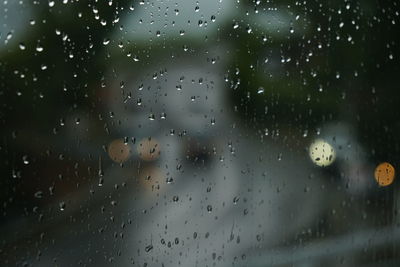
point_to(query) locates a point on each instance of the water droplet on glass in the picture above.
(148, 248)
(8, 37)
(14, 174)
(209, 208)
(38, 194)
(25, 159)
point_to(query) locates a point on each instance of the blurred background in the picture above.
(199, 133)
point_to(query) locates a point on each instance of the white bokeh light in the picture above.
(322, 153)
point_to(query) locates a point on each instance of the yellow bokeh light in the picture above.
(322, 153)
(384, 174)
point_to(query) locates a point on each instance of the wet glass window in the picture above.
(199, 133)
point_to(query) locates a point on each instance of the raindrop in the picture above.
(38, 194)
(25, 159)
(148, 248)
(62, 205)
(209, 208)
(14, 174)
(39, 48)
(9, 36)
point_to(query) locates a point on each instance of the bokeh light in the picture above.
(151, 178)
(322, 153)
(118, 151)
(148, 149)
(384, 174)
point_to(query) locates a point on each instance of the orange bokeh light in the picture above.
(148, 149)
(384, 174)
(119, 151)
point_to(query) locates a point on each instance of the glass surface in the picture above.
(199, 133)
